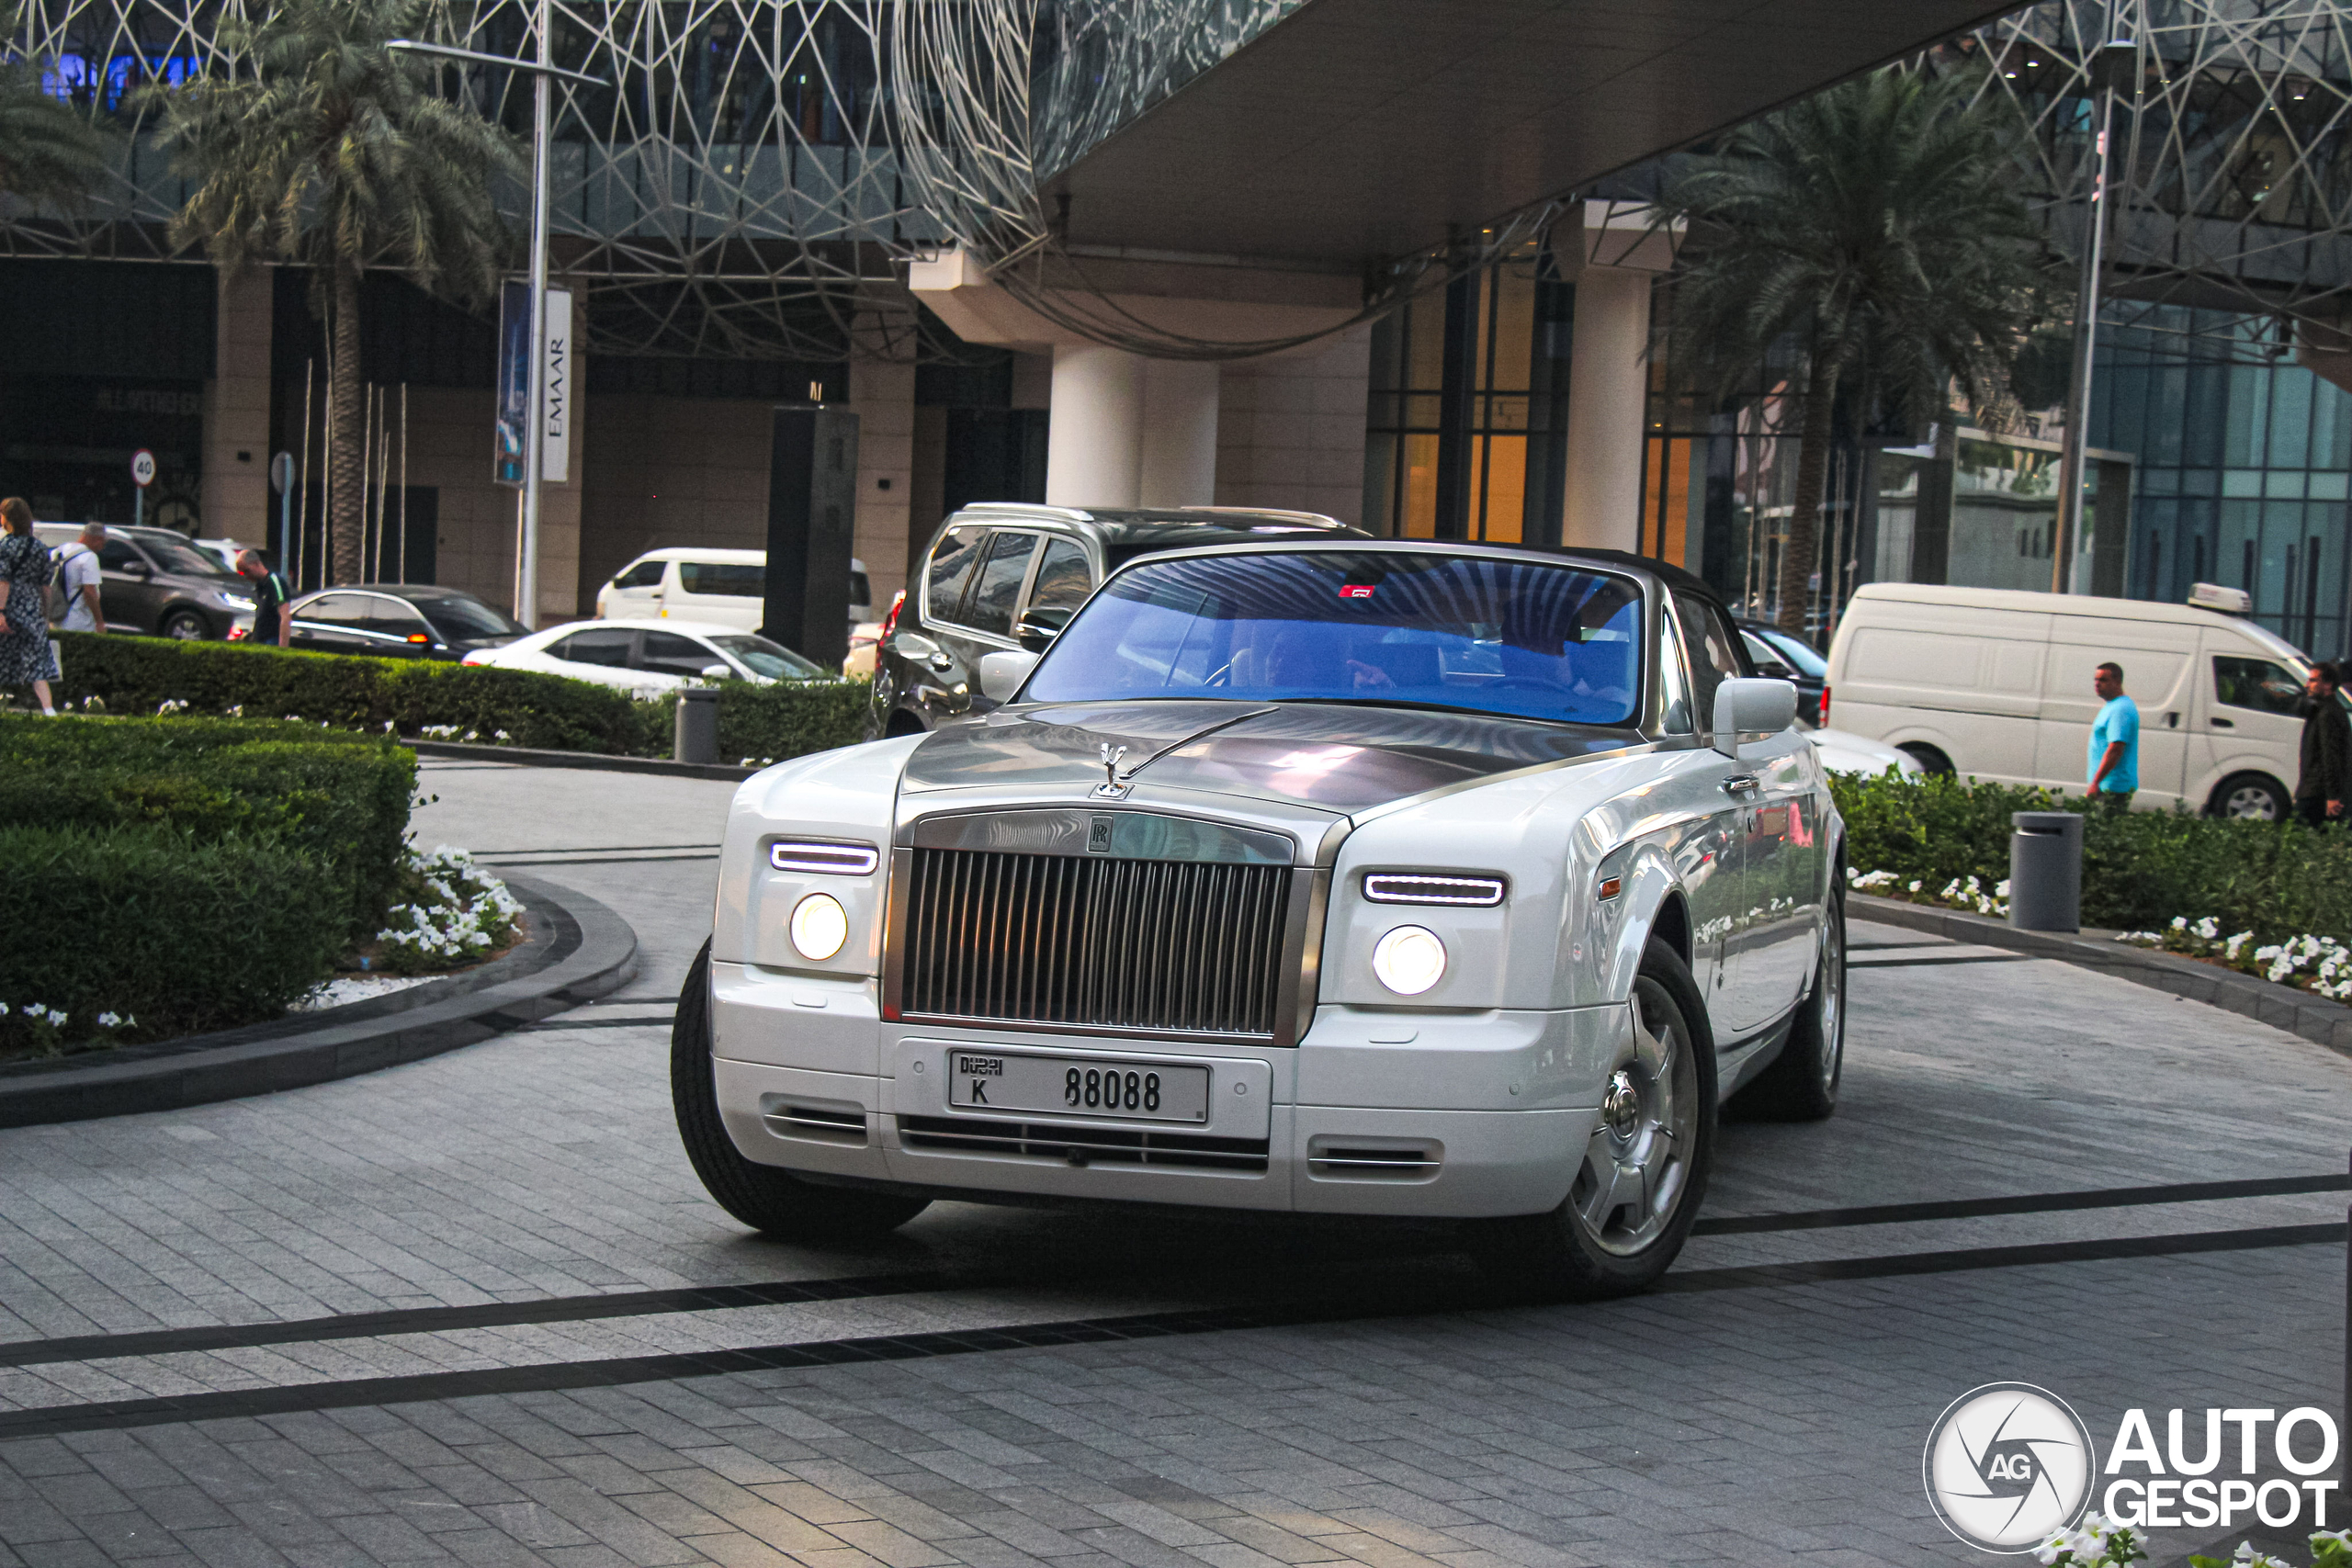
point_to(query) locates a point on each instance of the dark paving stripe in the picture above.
(1963, 958)
(556, 1025)
(57, 1419)
(1901, 1264)
(488, 1315)
(2029, 1204)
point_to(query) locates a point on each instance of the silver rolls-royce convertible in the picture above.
(1370, 877)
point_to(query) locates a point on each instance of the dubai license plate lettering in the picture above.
(1145, 1091)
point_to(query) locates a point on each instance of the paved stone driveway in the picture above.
(555, 1375)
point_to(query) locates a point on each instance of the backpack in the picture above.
(54, 602)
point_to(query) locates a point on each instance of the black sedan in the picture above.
(1783, 656)
(400, 621)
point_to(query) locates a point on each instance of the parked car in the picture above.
(1007, 576)
(1997, 685)
(225, 551)
(1842, 751)
(651, 655)
(156, 580)
(1786, 657)
(727, 587)
(399, 621)
(1338, 875)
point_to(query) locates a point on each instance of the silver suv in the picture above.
(1009, 575)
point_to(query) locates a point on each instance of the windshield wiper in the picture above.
(1442, 708)
(1119, 782)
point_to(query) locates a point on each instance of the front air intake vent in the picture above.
(1185, 947)
(1374, 1159)
(1082, 1145)
(818, 1124)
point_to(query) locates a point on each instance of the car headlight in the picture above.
(1409, 959)
(236, 601)
(819, 925)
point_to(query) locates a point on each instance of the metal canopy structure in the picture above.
(1355, 129)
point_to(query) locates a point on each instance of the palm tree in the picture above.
(1878, 228)
(48, 153)
(322, 146)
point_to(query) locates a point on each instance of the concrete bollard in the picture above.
(2046, 871)
(698, 725)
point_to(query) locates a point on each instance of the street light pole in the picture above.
(541, 67)
(2114, 64)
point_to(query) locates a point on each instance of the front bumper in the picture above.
(1452, 1115)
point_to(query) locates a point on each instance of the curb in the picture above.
(579, 950)
(2321, 1021)
(528, 757)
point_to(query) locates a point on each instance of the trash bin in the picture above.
(698, 725)
(2046, 871)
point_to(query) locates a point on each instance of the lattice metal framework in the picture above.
(732, 193)
(2234, 160)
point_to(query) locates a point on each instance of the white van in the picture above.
(1997, 685)
(688, 583)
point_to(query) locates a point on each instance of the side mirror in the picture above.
(1039, 624)
(1752, 707)
(134, 567)
(719, 672)
(1001, 674)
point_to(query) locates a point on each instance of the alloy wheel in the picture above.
(1637, 1162)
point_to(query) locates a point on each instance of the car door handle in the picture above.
(2223, 723)
(940, 661)
(1739, 783)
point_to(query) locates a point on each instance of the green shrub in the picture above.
(143, 922)
(2141, 869)
(456, 702)
(342, 800)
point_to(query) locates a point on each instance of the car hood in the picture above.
(1334, 757)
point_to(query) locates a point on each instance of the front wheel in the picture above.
(764, 1197)
(1643, 1170)
(1801, 1083)
(186, 626)
(2252, 797)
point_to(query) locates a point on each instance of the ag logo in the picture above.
(2007, 1465)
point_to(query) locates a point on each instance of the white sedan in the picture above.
(652, 656)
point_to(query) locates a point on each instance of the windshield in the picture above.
(762, 657)
(1525, 639)
(185, 560)
(461, 620)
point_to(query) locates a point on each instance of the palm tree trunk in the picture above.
(346, 475)
(1802, 557)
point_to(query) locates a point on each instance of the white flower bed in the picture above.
(2317, 964)
(459, 912)
(1957, 894)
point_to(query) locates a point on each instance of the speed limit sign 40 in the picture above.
(142, 468)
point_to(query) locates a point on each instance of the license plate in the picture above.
(1064, 1085)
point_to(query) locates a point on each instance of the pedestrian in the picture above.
(2115, 742)
(2327, 780)
(27, 656)
(81, 580)
(272, 616)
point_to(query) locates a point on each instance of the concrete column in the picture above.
(1179, 400)
(236, 498)
(1094, 445)
(1608, 391)
(882, 391)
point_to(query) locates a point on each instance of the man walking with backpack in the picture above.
(79, 580)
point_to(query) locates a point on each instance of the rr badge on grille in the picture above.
(1098, 835)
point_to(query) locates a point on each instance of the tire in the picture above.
(1801, 1084)
(774, 1201)
(1599, 1242)
(2252, 797)
(186, 626)
(1927, 757)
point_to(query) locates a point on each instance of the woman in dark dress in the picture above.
(27, 656)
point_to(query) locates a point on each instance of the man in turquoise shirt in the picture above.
(2115, 741)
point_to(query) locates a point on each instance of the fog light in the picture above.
(1409, 959)
(819, 925)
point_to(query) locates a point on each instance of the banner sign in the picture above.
(513, 385)
(555, 451)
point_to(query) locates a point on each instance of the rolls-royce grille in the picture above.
(1185, 947)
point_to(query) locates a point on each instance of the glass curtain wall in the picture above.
(2242, 462)
(1468, 424)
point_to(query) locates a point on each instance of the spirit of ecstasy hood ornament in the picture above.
(1112, 787)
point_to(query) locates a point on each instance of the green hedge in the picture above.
(2140, 868)
(177, 934)
(457, 701)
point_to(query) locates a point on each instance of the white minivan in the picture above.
(1997, 685)
(688, 583)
